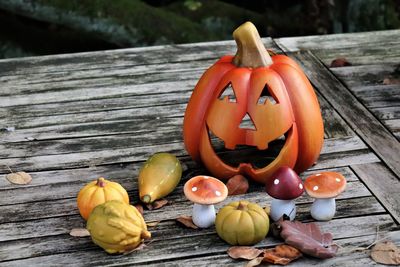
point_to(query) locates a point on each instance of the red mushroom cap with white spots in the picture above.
(325, 185)
(285, 184)
(205, 190)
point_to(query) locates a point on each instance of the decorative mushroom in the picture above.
(204, 191)
(285, 186)
(324, 187)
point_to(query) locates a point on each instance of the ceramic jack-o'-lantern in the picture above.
(291, 110)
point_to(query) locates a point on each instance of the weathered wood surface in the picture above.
(68, 119)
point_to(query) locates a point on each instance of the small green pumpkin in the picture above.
(242, 223)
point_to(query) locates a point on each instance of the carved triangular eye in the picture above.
(247, 123)
(228, 92)
(266, 95)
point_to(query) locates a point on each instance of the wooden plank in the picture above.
(122, 58)
(337, 41)
(167, 248)
(105, 121)
(387, 113)
(62, 225)
(379, 95)
(346, 256)
(56, 207)
(394, 126)
(388, 53)
(141, 153)
(367, 75)
(67, 183)
(383, 184)
(354, 113)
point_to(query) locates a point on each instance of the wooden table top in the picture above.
(68, 119)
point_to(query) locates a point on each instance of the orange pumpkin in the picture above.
(98, 192)
(292, 110)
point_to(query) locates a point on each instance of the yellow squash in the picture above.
(242, 223)
(159, 176)
(117, 227)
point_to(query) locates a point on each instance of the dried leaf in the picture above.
(139, 207)
(255, 262)
(386, 253)
(281, 254)
(158, 204)
(187, 221)
(242, 252)
(152, 224)
(79, 232)
(308, 238)
(388, 81)
(19, 178)
(340, 62)
(237, 185)
(129, 251)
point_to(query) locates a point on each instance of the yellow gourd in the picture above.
(98, 192)
(242, 223)
(117, 227)
(159, 176)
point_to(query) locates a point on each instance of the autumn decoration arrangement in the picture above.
(280, 101)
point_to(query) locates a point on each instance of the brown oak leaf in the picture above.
(307, 238)
(139, 207)
(158, 204)
(79, 232)
(243, 252)
(20, 178)
(255, 262)
(340, 62)
(281, 254)
(388, 81)
(187, 221)
(237, 185)
(386, 253)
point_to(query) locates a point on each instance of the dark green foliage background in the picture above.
(39, 27)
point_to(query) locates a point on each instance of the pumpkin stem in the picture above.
(242, 205)
(251, 52)
(101, 182)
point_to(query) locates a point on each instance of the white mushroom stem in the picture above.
(203, 215)
(323, 209)
(280, 207)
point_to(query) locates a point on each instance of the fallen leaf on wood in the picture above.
(139, 207)
(386, 253)
(158, 204)
(255, 262)
(237, 185)
(340, 62)
(281, 254)
(308, 239)
(19, 178)
(187, 221)
(243, 252)
(129, 251)
(388, 81)
(152, 224)
(79, 232)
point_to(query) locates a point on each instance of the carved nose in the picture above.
(247, 123)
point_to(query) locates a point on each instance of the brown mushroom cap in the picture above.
(205, 190)
(285, 184)
(325, 185)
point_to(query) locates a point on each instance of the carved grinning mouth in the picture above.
(247, 154)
